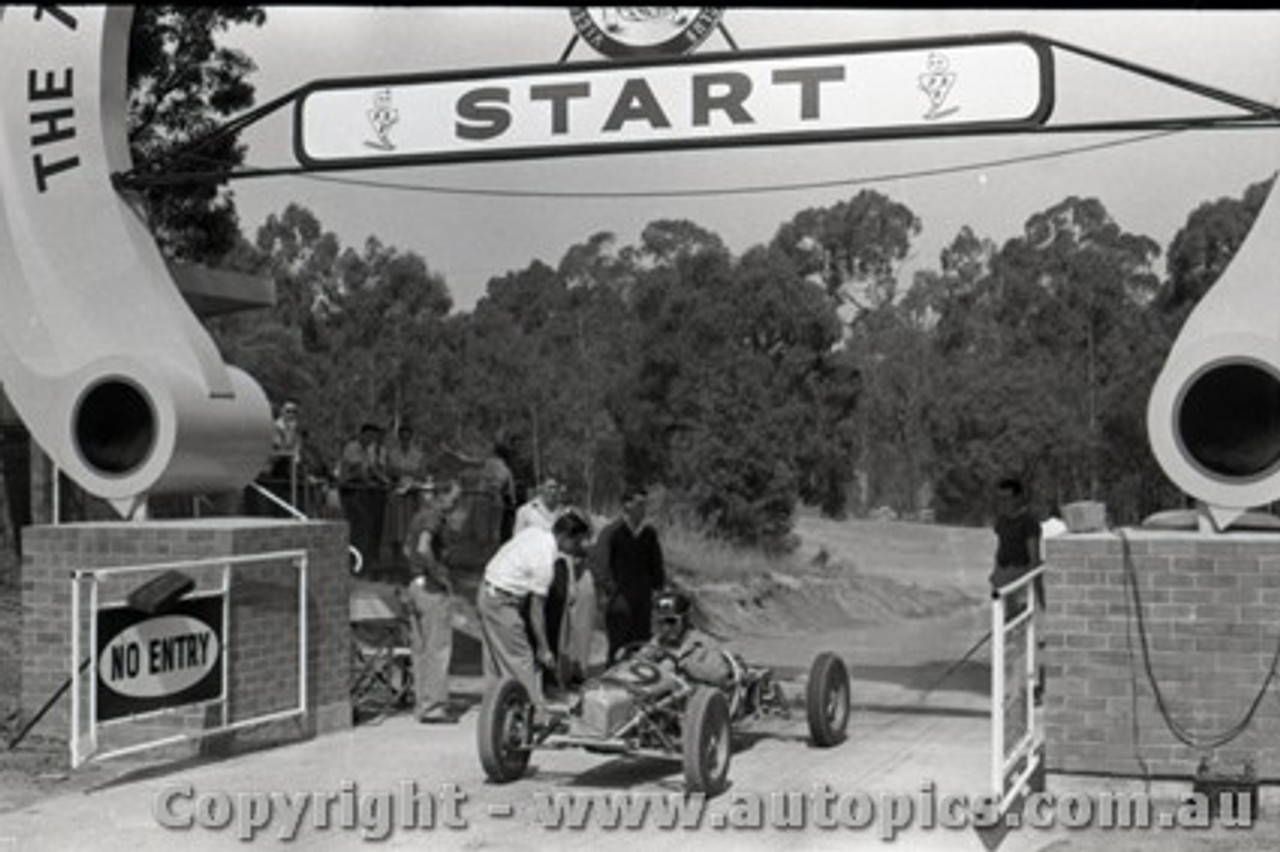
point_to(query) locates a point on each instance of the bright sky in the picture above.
(1149, 187)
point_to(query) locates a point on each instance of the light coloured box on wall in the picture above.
(1085, 516)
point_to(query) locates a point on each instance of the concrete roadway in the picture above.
(904, 743)
(900, 742)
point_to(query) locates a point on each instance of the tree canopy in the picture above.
(182, 84)
(803, 370)
(746, 385)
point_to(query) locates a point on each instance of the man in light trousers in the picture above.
(430, 610)
(512, 600)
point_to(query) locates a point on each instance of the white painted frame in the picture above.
(82, 752)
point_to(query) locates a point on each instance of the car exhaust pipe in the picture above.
(1213, 418)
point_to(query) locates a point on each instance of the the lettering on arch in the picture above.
(124, 415)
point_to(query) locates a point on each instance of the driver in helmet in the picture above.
(696, 655)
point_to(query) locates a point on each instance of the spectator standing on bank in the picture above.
(286, 441)
(316, 474)
(501, 485)
(512, 599)
(406, 470)
(630, 570)
(430, 604)
(279, 474)
(362, 488)
(541, 510)
(1017, 541)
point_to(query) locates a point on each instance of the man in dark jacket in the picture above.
(1017, 541)
(631, 570)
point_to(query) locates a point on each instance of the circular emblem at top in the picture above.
(629, 31)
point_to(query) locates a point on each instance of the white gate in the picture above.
(1017, 739)
(213, 581)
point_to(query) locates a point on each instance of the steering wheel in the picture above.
(657, 651)
(629, 650)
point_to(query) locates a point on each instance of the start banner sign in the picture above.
(809, 94)
(153, 662)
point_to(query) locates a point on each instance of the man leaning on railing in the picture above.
(1017, 543)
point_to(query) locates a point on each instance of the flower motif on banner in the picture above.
(936, 83)
(382, 117)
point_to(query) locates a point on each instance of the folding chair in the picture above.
(381, 661)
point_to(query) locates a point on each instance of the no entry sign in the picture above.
(151, 662)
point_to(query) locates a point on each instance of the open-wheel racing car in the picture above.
(646, 707)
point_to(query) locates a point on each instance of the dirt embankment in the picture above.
(780, 603)
(851, 573)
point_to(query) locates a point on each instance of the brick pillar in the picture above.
(10, 621)
(1211, 613)
(261, 650)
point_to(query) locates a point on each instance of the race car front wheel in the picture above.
(827, 700)
(706, 742)
(503, 731)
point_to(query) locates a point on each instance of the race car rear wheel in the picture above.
(706, 741)
(503, 731)
(827, 700)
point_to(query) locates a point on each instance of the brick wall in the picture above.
(1211, 606)
(261, 651)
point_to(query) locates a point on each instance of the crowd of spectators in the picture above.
(548, 576)
(378, 479)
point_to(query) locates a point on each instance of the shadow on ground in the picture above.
(620, 773)
(971, 676)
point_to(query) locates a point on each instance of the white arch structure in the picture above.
(122, 387)
(111, 372)
(1213, 418)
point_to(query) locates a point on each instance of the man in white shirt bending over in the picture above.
(514, 588)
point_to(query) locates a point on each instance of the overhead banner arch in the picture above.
(112, 374)
(798, 95)
(124, 389)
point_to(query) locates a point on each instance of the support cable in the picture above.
(1183, 734)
